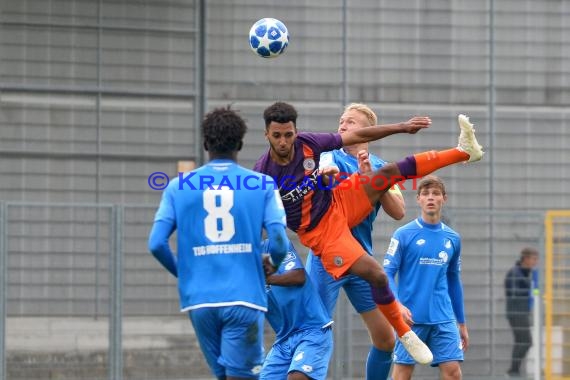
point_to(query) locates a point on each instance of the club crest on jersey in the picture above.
(447, 244)
(289, 257)
(338, 261)
(309, 164)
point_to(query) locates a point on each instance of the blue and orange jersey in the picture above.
(305, 197)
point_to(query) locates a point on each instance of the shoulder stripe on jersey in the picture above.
(307, 203)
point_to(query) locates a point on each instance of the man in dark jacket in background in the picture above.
(518, 291)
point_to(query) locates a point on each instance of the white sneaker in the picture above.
(467, 140)
(416, 348)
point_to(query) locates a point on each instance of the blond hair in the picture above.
(367, 111)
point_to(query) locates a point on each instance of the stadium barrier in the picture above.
(81, 297)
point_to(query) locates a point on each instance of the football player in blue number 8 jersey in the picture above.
(219, 224)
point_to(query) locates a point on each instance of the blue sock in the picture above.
(378, 364)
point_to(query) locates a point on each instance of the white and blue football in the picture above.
(268, 38)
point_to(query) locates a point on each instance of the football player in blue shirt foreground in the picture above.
(426, 255)
(221, 279)
(304, 338)
(356, 159)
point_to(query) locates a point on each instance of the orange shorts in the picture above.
(331, 239)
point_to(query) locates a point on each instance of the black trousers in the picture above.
(520, 324)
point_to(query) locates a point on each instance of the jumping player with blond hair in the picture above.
(322, 218)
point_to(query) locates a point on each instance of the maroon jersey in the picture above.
(305, 197)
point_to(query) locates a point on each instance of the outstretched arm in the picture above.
(377, 132)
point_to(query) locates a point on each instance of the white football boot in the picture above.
(467, 140)
(416, 348)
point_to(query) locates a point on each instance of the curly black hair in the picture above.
(280, 112)
(223, 130)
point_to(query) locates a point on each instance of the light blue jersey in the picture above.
(427, 259)
(294, 308)
(304, 338)
(219, 233)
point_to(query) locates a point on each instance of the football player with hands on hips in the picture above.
(304, 338)
(221, 279)
(322, 217)
(357, 159)
(426, 256)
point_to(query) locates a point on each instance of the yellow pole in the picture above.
(548, 251)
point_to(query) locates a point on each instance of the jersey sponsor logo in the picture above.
(439, 261)
(299, 356)
(420, 242)
(296, 192)
(338, 261)
(309, 164)
(393, 247)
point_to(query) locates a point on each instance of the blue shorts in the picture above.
(357, 290)
(443, 339)
(307, 351)
(231, 339)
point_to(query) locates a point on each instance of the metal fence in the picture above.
(82, 298)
